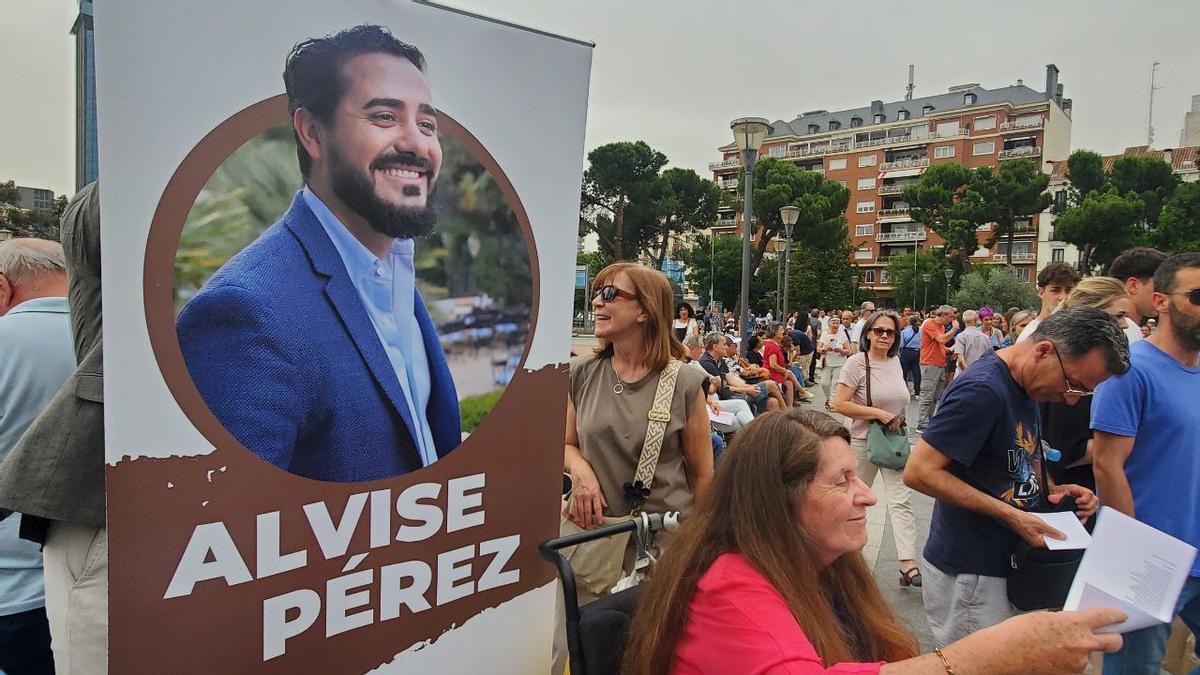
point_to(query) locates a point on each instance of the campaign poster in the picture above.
(337, 242)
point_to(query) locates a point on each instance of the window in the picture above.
(985, 148)
(866, 183)
(1060, 200)
(884, 277)
(943, 151)
(777, 150)
(864, 230)
(988, 122)
(855, 121)
(947, 128)
(902, 114)
(834, 125)
(867, 160)
(866, 207)
(926, 109)
(1056, 255)
(880, 118)
(813, 128)
(862, 254)
(836, 164)
(1023, 273)
(870, 276)
(968, 99)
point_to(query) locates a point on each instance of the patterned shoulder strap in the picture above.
(659, 415)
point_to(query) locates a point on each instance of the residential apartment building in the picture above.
(1190, 134)
(879, 150)
(1183, 164)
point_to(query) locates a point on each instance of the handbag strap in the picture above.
(659, 415)
(868, 360)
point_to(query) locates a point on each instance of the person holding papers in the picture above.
(1146, 443)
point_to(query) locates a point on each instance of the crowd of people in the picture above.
(1082, 401)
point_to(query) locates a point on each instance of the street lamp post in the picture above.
(789, 214)
(949, 275)
(854, 290)
(748, 134)
(926, 277)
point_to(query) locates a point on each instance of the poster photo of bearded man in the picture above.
(330, 343)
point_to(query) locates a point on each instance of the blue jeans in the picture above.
(1144, 649)
(910, 364)
(718, 443)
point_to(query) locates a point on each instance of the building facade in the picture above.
(1183, 164)
(87, 159)
(879, 150)
(35, 199)
(1190, 134)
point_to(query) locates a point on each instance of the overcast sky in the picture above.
(673, 73)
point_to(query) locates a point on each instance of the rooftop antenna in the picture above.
(909, 91)
(1150, 116)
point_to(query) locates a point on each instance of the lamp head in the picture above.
(749, 132)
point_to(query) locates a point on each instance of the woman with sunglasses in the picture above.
(611, 394)
(879, 349)
(1067, 428)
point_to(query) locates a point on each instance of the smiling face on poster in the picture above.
(320, 455)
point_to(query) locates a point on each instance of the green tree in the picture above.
(9, 193)
(997, 287)
(1085, 174)
(953, 201)
(1018, 191)
(1102, 226)
(1179, 224)
(820, 276)
(684, 202)
(715, 262)
(822, 203)
(620, 182)
(906, 275)
(1149, 179)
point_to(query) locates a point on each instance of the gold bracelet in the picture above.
(945, 662)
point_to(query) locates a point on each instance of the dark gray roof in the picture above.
(1015, 94)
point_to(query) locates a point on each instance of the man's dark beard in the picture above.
(1185, 328)
(358, 193)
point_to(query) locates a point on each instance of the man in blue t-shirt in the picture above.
(979, 458)
(1146, 443)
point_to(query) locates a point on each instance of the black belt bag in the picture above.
(1039, 578)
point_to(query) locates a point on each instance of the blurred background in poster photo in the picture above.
(473, 271)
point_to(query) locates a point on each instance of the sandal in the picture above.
(910, 578)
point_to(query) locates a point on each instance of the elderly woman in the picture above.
(834, 346)
(1017, 324)
(882, 399)
(612, 392)
(767, 578)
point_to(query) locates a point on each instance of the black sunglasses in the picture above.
(609, 293)
(1193, 295)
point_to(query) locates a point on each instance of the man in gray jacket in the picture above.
(54, 475)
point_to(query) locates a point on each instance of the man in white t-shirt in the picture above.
(1054, 283)
(865, 310)
(1135, 268)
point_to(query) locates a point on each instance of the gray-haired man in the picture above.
(980, 456)
(36, 358)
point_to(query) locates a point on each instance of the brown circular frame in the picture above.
(169, 219)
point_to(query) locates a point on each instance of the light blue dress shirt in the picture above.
(388, 291)
(36, 358)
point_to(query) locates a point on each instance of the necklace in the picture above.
(619, 386)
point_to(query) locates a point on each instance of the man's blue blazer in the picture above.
(284, 353)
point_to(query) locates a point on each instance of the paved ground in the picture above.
(880, 551)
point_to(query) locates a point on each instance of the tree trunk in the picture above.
(662, 249)
(619, 229)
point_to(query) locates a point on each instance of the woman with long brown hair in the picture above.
(767, 577)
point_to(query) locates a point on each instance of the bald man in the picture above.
(36, 359)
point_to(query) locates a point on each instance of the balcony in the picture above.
(1023, 151)
(728, 183)
(910, 139)
(1017, 257)
(895, 188)
(918, 163)
(918, 234)
(812, 151)
(900, 213)
(725, 222)
(1023, 125)
(731, 163)
(818, 169)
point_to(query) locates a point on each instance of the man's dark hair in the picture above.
(312, 74)
(1075, 331)
(1058, 274)
(1140, 263)
(1166, 276)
